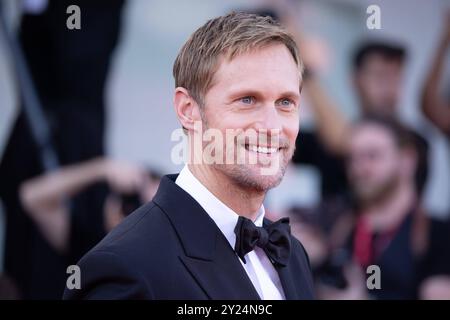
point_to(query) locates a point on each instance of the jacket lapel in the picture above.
(208, 256)
(222, 279)
(288, 282)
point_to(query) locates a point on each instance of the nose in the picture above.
(268, 119)
(361, 167)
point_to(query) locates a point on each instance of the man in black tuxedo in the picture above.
(204, 235)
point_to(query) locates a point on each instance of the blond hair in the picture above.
(225, 36)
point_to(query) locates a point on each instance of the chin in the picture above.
(250, 177)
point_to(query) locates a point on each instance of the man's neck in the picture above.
(391, 211)
(244, 202)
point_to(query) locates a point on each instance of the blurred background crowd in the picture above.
(86, 118)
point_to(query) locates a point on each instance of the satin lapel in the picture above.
(222, 278)
(288, 282)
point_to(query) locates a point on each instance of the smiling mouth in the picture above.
(262, 149)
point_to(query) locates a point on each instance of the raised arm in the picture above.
(332, 126)
(434, 107)
(44, 197)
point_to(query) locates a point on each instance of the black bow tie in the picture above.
(274, 239)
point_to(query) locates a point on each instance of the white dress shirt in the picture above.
(259, 269)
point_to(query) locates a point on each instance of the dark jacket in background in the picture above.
(69, 69)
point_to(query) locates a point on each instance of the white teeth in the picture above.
(262, 149)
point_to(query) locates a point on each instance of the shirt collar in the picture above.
(224, 217)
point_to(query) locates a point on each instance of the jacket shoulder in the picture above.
(146, 224)
(118, 267)
(106, 276)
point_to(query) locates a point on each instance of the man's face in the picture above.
(374, 162)
(257, 92)
(379, 85)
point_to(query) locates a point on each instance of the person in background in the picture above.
(390, 228)
(378, 77)
(69, 69)
(377, 74)
(65, 204)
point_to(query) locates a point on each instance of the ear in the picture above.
(187, 109)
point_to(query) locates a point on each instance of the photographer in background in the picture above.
(390, 228)
(65, 204)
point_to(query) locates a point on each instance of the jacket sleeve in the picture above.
(106, 276)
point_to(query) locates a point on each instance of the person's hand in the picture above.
(123, 177)
(112, 212)
(314, 49)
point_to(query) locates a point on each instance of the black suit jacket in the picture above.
(171, 249)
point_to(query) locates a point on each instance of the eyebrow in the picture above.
(291, 94)
(251, 92)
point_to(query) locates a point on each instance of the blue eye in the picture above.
(247, 100)
(286, 103)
